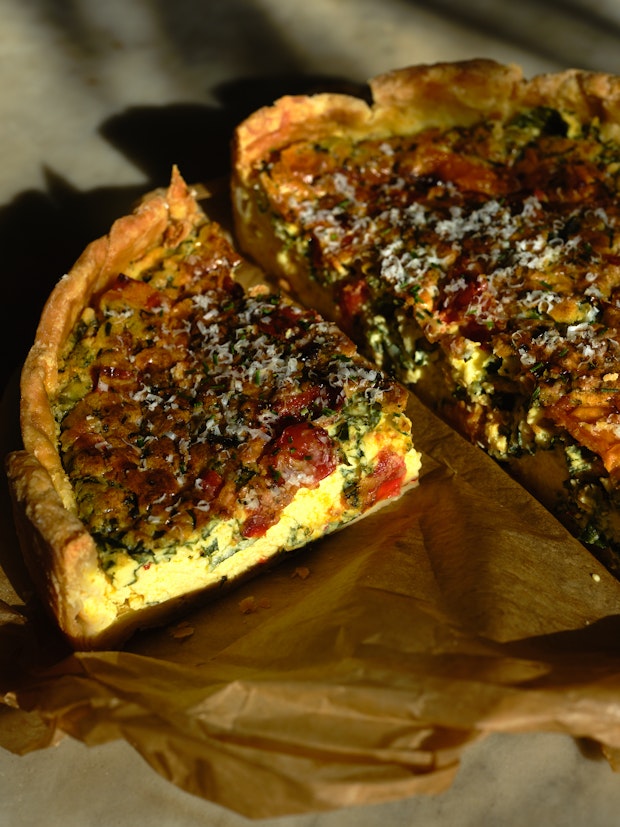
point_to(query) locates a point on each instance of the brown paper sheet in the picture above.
(356, 671)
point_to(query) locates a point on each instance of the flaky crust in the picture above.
(93, 608)
(163, 216)
(59, 551)
(61, 556)
(416, 97)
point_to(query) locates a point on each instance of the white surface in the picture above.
(505, 781)
(65, 69)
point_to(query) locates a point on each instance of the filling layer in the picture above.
(197, 420)
(482, 266)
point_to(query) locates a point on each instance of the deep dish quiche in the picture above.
(180, 431)
(464, 229)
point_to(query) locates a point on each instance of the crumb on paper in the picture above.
(10, 699)
(182, 630)
(303, 572)
(249, 605)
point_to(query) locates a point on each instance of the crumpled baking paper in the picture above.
(356, 671)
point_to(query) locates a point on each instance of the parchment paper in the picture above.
(356, 671)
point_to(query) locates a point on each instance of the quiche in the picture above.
(463, 227)
(181, 430)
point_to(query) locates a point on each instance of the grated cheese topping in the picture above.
(499, 238)
(185, 400)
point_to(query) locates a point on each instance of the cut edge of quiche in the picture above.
(564, 448)
(353, 459)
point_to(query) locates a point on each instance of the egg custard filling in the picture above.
(479, 263)
(201, 430)
(191, 413)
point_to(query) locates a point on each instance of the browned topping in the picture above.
(185, 400)
(505, 236)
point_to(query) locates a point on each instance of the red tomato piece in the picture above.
(388, 475)
(209, 484)
(256, 525)
(283, 319)
(303, 454)
(294, 404)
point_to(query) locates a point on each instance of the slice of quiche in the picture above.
(464, 229)
(180, 431)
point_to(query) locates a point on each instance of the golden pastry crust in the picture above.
(61, 555)
(432, 228)
(414, 98)
(163, 216)
(134, 349)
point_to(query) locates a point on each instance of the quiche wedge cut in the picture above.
(464, 229)
(180, 430)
